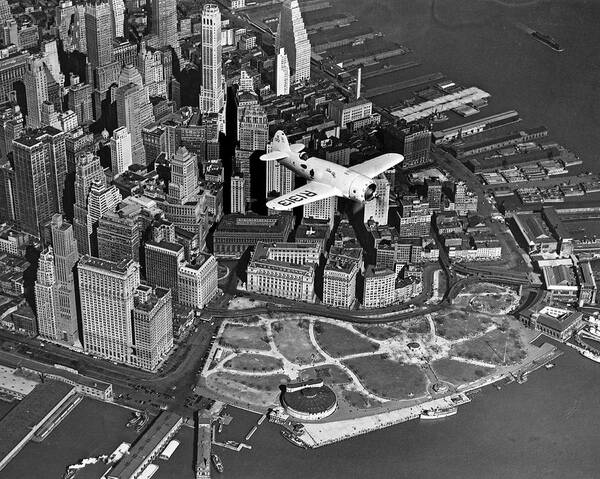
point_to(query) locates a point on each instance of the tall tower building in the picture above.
(152, 326)
(36, 79)
(163, 259)
(40, 165)
(107, 292)
(238, 196)
(282, 73)
(253, 129)
(99, 29)
(212, 95)
(120, 151)
(65, 258)
(87, 172)
(117, 8)
(11, 127)
(292, 36)
(134, 109)
(164, 22)
(9, 210)
(279, 178)
(45, 297)
(377, 209)
(79, 100)
(182, 207)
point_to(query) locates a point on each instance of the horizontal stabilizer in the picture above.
(274, 155)
(297, 147)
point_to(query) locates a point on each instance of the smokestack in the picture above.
(358, 82)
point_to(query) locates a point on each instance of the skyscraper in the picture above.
(119, 236)
(80, 100)
(152, 317)
(377, 209)
(292, 36)
(117, 8)
(107, 299)
(279, 178)
(238, 197)
(164, 22)
(120, 151)
(39, 88)
(198, 281)
(282, 73)
(163, 259)
(45, 295)
(321, 210)
(40, 165)
(99, 29)
(253, 129)
(134, 109)
(99, 33)
(212, 95)
(65, 258)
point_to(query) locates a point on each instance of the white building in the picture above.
(380, 287)
(120, 151)
(279, 178)
(339, 280)
(377, 209)
(212, 96)
(292, 36)
(321, 210)
(45, 296)
(107, 299)
(197, 282)
(280, 278)
(282, 73)
(238, 196)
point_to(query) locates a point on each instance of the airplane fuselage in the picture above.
(346, 182)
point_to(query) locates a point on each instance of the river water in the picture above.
(486, 44)
(547, 427)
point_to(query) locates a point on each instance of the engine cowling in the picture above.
(362, 189)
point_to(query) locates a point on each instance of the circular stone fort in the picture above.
(309, 400)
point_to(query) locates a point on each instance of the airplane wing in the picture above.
(376, 166)
(312, 191)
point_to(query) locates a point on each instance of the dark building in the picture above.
(412, 140)
(162, 264)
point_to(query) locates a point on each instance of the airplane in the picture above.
(324, 178)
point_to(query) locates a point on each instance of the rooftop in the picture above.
(29, 412)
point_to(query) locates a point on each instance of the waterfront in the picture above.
(537, 429)
(486, 44)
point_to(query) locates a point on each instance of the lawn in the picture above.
(238, 337)
(293, 342)
(457, 372)
(331, 374)
(254, 362)
(454, 325)
(357, 400)
(493, 347)
(377, 331)
(261, 391)
(339, 342)
(387, 378)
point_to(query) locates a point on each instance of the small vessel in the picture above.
(295, 440)
(549, 365)
(216, 460)
(588, 354)
(438, 413)
(522, 378)
(547, 40)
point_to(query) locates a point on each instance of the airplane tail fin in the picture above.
(280, 142)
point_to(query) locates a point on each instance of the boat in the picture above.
(438, 413)
(295, 440)
(216, 460)
(547, 40)
(588, 354)
(549, 365)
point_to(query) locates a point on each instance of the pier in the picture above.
(390, 69)
(421, 80)
(203, 446)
